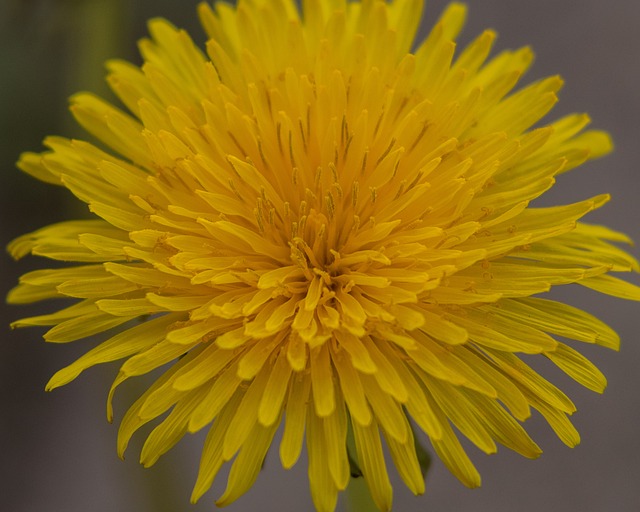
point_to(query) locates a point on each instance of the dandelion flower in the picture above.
(318, 224)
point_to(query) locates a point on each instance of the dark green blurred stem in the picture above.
(102, 31)
(98, 30)
(358, 496)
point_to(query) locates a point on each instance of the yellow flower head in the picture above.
(318, 225)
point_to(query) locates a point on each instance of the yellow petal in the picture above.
(296, 412)
(371, 459)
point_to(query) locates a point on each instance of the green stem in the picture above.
(101, 32)
(358, 497)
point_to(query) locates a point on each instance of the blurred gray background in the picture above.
(57, 450)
